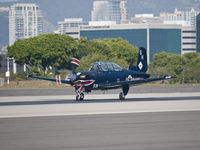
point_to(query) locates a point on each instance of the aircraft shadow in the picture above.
(57, 101)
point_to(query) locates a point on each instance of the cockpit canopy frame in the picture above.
(105, 66)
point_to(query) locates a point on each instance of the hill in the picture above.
(55, 11)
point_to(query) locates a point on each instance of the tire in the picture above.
(77, 98)
(121, 96)
(81, 96)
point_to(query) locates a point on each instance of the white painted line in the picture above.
(94, 97)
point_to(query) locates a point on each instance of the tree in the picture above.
(121, 49)
(44, 51)
(107, 50)
(191, 70)
(55, 50)
(185, 68)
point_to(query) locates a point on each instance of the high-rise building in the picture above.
(70, 26)
(25, 20)
(185, 17)
(124, 12)
(109, 10)
(198, 32)
(100, 11)
(188, 39)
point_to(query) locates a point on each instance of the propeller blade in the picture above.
(74, 64)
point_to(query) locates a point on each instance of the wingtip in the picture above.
(29, 76)
(170, 77)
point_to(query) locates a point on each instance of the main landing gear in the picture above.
(121, 96)
(124, 92)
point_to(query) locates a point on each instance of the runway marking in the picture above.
(150, 105)
(94, 97)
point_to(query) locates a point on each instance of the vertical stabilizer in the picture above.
(142, 61)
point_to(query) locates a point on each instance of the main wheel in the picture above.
(81, 96)
(121, 96)
(77, 97)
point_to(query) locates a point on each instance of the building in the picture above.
(101, 23)
(2, 9)
(144, 18)
(188, 39)
(188, 15)
(154, 37)
(109, 10)
(188, 35)
(124, 12)
(4, 23)
(198, 32)
(117, 11)
(70, 26)
(100, 11)
(25, 20)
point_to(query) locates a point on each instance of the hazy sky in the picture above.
(57, 10)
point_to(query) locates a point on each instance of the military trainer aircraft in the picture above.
(106, 76)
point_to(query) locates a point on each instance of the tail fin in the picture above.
(142, 61)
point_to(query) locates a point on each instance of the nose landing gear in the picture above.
(79, 93)
(80, 97)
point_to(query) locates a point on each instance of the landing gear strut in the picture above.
(79, 93)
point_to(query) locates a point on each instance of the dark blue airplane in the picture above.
(106, 76)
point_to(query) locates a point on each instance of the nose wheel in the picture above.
(80, 97)
(79, 93)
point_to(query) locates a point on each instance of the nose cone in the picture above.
(71, 77)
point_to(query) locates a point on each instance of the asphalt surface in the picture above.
(141, 131)
(70, 91)
(152, 117)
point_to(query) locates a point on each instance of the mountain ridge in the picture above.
(54, 11)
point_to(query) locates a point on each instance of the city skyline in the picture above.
(92, 9)
(82, 9)
(24, 23)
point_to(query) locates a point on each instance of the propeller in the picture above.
(74, 64)
(80, 78)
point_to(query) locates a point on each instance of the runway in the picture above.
(150, 121)
(138, 131)
(34, 106)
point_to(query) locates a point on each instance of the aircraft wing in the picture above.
(49, 79)
(133, 82)
(158, 74)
